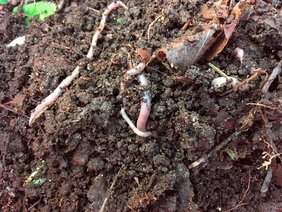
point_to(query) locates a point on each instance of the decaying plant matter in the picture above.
(188, 49)
(181, 53)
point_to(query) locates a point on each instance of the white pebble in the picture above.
(222, 81)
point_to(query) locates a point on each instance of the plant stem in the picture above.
(216, 69)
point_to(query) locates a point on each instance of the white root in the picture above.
(132, 126)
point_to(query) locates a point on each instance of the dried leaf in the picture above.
(144, 54)
(228, 30)
(187, 50)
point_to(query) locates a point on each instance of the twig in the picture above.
(33, 205)
(151, 24)
(244, 195)
(110, 190)
(254, 74)
(13, 111)
(214, 150)
(275, 72)
(94, 10)
(262, 105)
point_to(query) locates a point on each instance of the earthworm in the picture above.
(132, 72)
(53, 96)
(145, 105)
(132, 126)
(101, 27)
(49, 100)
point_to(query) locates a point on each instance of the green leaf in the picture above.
(39, 181)
(232, 154)
(119, 21)
(4, 2)
(40, 9)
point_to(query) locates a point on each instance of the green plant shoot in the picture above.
(119, 21)
(3, 2)
(39, 9)
(232, 154)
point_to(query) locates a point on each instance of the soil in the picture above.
(80, 151)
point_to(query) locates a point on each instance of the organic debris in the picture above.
(17, 41)
(188, 49)
(275, 73)
(84, 140)
(223, 80)
(38, 9)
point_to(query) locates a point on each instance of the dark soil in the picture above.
(83, 151)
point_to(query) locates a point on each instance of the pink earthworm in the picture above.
(53, 96)
(49, 100)
(144, 111)
(101, 27)
(132, 126)
(145, 104)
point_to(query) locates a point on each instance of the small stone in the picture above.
(95, 164)
(161, 160)
(79, 158)
(132, 148)
(81, 155)
(97, 192)
(110, 36)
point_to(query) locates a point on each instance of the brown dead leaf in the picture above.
(184, 80)
(188, 49)
(228, 30)
(207, 13)
(214, 35)
(222, 8)
(18, 100)
(144, 54)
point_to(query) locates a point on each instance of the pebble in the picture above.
(95, 164)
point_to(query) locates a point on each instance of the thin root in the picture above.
(151, 24)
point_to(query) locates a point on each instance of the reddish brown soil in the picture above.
(81, 144)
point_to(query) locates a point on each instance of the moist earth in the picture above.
(80, 154)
